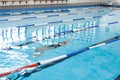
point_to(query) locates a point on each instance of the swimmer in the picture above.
(118, 77)
(38, 51)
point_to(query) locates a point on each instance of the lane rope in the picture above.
(56, 34)
(62, 57)
(46, 16)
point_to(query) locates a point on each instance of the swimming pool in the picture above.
(21, 34)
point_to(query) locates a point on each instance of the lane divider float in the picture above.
(48, 37)
(58, 59)
(42, 16)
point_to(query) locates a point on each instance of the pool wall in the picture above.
(49, 2)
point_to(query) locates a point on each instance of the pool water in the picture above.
(21, 34)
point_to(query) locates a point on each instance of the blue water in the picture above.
(101, 63)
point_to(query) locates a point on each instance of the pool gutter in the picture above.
(53, 6)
